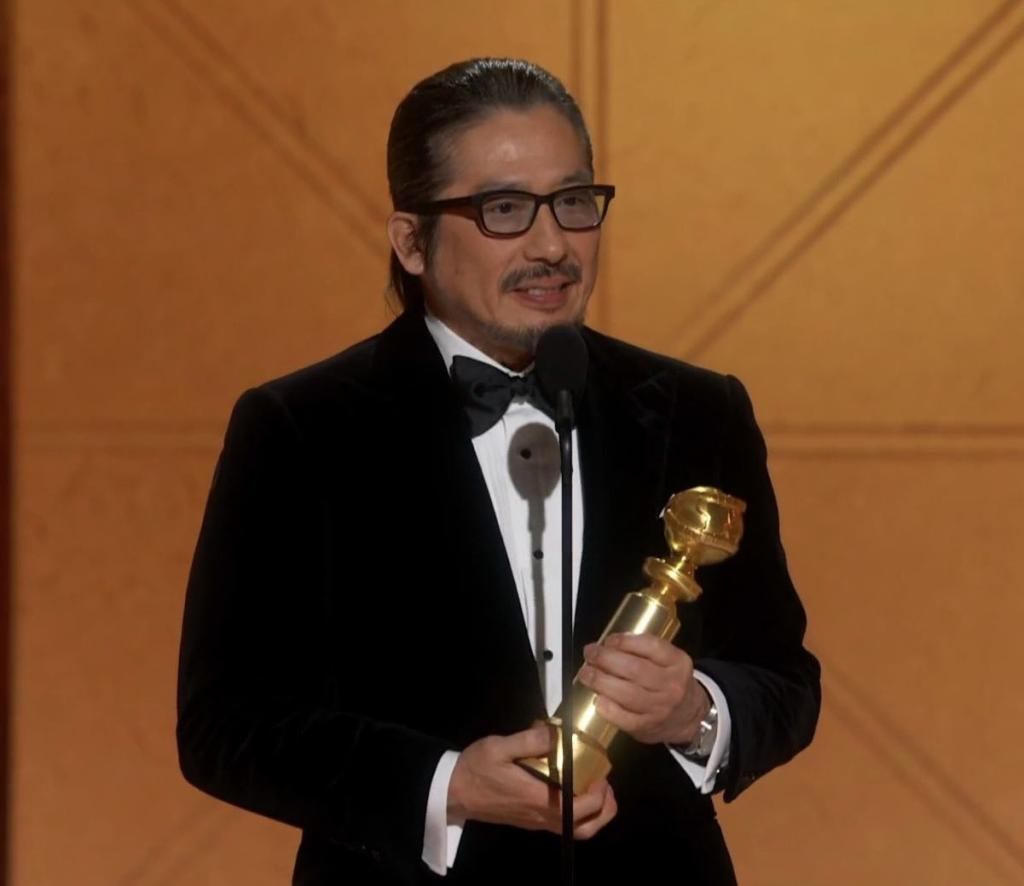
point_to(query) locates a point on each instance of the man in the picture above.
(372, 625)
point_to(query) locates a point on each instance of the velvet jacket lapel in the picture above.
(462, 522)
(623, 437)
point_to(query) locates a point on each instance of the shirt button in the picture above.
(538, 555)
(548, 655)
(525, 453)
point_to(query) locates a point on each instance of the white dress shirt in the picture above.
(519, 459)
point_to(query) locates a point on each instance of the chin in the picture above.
(521, 337)
(525, 334)
(541, 317)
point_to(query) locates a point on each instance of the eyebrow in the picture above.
(579, 177)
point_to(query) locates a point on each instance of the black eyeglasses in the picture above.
(507, 213)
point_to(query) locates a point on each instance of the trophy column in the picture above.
(702, 526)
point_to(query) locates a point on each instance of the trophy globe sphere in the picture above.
(704, 523)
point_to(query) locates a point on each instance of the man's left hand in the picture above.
(646, 687)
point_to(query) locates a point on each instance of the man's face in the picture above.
(501, 293)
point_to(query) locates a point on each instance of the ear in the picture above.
(402, 232)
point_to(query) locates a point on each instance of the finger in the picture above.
(633, 668)
(589, 803)
(617, 715)
(598, 790)
(655, 649)
(589, 828)
(626, 693)
(586, 806)
(533, 742)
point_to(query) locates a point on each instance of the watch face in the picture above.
(704, 741)
(707, 740)
(708, 731)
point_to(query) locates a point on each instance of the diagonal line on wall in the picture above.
(194, 834)
(852, 178)
(924, 776)
(310, 161)
(263, 97)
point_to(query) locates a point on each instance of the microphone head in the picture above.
(561, 363)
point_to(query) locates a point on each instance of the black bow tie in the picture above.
(486, 392)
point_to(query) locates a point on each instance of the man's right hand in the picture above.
(488, 785)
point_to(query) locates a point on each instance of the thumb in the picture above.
(532, 742)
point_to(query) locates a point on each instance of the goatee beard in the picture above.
(523, 338)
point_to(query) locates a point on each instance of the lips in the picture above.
(541, 289)
(548, 293)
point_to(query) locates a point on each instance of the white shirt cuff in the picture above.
(440, 836)
(703, 775)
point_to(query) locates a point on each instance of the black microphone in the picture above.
(561, 367)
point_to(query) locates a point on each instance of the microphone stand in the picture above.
(561, 365)
(563, 424)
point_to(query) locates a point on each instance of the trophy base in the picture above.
(589, 761)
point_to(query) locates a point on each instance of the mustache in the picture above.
(516, 278)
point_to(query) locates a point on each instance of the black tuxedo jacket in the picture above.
(351, 613)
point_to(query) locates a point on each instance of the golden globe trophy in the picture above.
(703, 525)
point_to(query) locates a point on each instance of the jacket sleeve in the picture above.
(754, 622)
(262, 716)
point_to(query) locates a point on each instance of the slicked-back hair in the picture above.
(433, 112)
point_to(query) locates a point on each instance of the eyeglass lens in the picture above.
(576, 209)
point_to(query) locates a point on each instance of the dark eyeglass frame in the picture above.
(472, 207)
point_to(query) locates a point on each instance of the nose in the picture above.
(546, 241)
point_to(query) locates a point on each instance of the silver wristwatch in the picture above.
(704, 740)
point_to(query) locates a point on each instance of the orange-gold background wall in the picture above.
(826, 199)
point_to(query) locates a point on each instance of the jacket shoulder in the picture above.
(314, 399)
(351, 367)
(636, 366)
